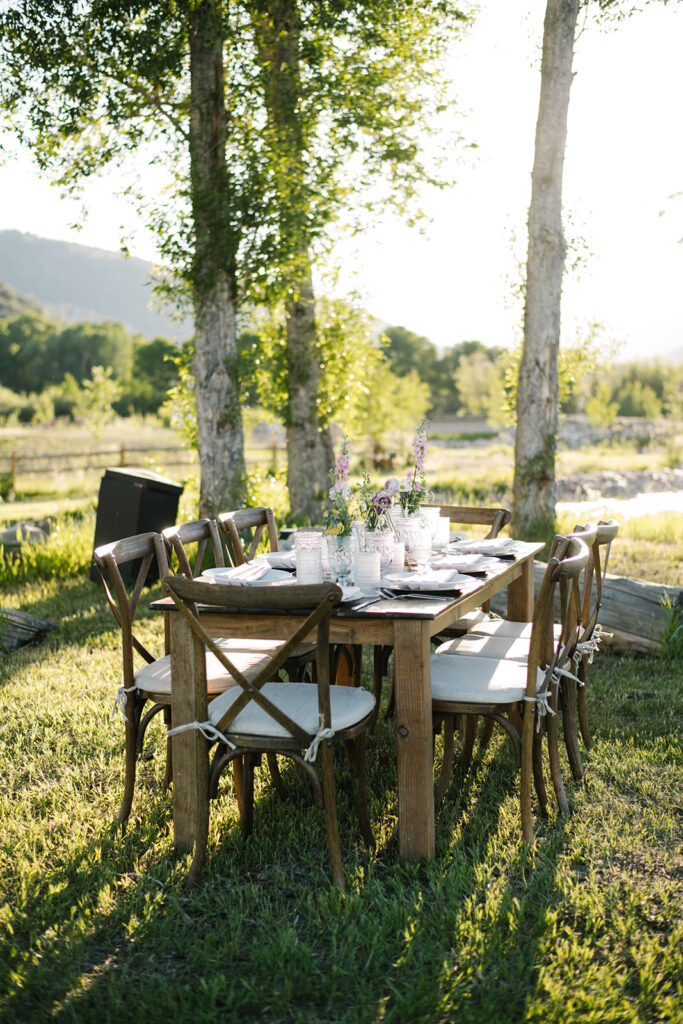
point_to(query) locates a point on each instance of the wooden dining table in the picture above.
(407, 624)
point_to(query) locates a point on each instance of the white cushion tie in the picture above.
(207, 729)
(122, 700)
(322, 734)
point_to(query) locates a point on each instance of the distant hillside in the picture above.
(78, 283)
(13, 303)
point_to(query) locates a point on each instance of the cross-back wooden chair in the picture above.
(145, 691)
(589, 642)
(201, 535)
(466, 515)
(243, 530)
(499, 638)
(264, 715)
(518, 694)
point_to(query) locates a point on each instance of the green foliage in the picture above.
(600, 411)
(574, 363)
(65, 555)
(635, 398)
(179, 410)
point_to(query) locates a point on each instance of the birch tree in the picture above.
(537, 401)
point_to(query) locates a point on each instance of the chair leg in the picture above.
(468, 729)
(539, 779)
(168, 774)
(356, 753)
(247, 810)
(486, 734)
(525, 777)
(569, 727)
(276, 778)
(554, 757)
(132, 711)
(447, 762)
(582, 710)
(331, 824)
(202, 819)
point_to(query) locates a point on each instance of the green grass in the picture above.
(95, 924)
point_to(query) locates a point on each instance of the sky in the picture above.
(455, 281)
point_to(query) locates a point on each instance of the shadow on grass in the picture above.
(110, 933)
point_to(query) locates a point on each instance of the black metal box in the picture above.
(133, 501)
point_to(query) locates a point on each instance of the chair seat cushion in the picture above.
(501, 627)
(156, 678)
(498, 647)
(477, 680)
(349, 705)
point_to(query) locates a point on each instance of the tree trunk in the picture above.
(310, 453)
(219, 419)
(537, 394)
(309, 446)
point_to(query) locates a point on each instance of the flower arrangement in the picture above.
(373, 505)
(412, 491)
(339, 518)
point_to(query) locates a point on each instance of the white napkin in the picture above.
(279, 559)
(240, 575)
(432, 579)
(461, 563)
(505, 548)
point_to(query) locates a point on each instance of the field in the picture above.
(49, 483)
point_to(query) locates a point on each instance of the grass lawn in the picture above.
(96, 925)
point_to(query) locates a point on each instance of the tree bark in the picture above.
(310, 452)
(309, 446)
(219, 418)
(537, 392)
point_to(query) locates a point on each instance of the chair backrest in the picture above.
(581, 611)
(494, 518)
(567, 562)
(189, 596)
(109, 558)
(179, 539)
(605, 532)
(243, 530)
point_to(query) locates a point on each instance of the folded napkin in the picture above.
(461, 563)
(431, 579)
(240, 575)
(506, 548)
(280, 559)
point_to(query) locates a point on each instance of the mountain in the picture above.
(79, 283)
(13, 303)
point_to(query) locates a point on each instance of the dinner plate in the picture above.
(227, 575)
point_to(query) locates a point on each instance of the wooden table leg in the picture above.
(190, 753)
(521, 594)
(414, 741)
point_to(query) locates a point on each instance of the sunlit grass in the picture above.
(95, 923)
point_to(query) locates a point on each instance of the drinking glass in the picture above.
(308, 545)
(341, 551)
(367, 571)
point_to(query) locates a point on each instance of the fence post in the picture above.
(122, 455)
